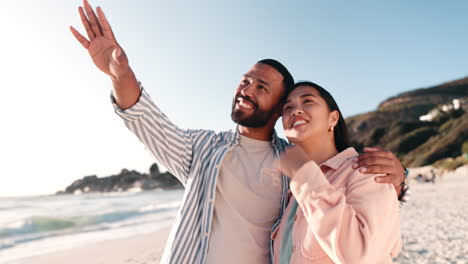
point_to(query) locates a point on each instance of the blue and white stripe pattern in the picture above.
(194, 157)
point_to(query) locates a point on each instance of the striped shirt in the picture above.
(194, 156)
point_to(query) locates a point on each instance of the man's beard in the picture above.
(258, 118)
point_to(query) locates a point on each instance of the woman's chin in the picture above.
(296, 139)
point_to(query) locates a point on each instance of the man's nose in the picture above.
(247, 90)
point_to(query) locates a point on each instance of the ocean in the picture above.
(31, 226)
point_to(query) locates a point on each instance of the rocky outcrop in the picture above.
(124, 181)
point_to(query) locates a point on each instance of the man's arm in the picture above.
(107, 55)
(169, 144)
(380, 161)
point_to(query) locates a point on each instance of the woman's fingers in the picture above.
(93, 21)
(105, 26)
(80, 37)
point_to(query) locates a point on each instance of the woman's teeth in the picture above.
(299, 122)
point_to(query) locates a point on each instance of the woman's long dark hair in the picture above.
(340, 132)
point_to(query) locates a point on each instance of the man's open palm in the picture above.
(101, 44)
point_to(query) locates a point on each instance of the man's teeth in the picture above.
(241, 103)
(299, 122)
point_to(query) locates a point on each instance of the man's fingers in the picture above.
(92, 19)
(376, 169)
(385, 179)
(86, 24)
(375, 154)
(392, 179)
(372, 161)
(372, 149)
(106, 28)
(79, 37)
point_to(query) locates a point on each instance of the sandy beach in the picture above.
(434, 223)
(140, 249)
(434, 228)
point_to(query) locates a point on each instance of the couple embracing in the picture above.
(251, 197)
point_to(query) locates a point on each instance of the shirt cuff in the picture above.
(308, 179)
(136, 110)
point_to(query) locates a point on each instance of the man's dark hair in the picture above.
(288, 80)
(340, 131)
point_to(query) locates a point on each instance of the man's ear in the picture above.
(333, 118)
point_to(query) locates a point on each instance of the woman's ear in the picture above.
(333, 118)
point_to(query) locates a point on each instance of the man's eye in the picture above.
(245, 81)
(261, 87)
(287, 108)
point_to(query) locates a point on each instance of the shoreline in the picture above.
(433, 221)
(142, 249)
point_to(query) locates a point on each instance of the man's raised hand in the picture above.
(101, 44)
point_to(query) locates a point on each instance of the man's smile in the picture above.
(245, 103)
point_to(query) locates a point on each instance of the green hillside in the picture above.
(396, 124)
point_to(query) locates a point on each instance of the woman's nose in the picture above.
(297, 111)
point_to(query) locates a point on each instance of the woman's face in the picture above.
(306, 115)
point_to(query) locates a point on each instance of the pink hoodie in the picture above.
(344, 216)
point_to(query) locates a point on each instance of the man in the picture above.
(230, 206)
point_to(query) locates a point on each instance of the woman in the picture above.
(336, 214)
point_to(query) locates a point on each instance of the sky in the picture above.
(57, 121)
